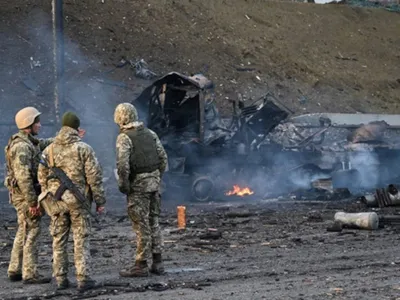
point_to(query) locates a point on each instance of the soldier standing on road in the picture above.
(22, 155)
(141, 162)
(77, 159)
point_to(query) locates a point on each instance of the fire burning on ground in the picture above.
(238, 191)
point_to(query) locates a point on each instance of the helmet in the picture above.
(125, 113)
(26, 116)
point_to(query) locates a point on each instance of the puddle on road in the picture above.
(181, 270)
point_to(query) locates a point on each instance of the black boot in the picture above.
(63, 284)
(86, 285)
(14, 277)
(140, 269)
(157, 267)
(37, 279)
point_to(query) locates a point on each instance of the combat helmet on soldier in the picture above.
(26, 117)
(124, 114)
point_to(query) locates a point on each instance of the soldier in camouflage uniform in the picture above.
(22, 157)
(77, 159)
(141, 162)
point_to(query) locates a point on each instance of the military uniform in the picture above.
(22, 155)
(77, 159)
(22, 158)
(141, 162)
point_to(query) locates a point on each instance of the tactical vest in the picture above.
(144, 158)
(9, 177)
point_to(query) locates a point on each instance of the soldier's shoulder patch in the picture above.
(24, 159)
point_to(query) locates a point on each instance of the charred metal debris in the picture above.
(263, 150)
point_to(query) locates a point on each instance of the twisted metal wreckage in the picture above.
(260, 148)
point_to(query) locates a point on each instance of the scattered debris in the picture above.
(34, 63)
(383, 197)
(340, 56)
(302, 100)
(240, 214)
(367, 220)
(314, 216)
(337, 226)
(328, 1)
(211, 234)
(393, 220)
(183, 270)
(141, 68)
(371, 132)
(321, 194)
(243, 69)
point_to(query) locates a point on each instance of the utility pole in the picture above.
(58, 55)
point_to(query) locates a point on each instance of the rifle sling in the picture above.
(59, 192)
(61, 189)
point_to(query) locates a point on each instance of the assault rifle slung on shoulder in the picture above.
(67, 184)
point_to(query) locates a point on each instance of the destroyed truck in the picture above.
(206, 152)
(258, 151)
(357, 151)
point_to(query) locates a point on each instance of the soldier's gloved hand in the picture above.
(35, 211)
(100, 210)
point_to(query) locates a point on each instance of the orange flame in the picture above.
(238, 191)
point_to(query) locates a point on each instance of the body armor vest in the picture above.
(9, 177)
(144, 158)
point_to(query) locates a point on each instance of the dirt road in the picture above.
(278, 250)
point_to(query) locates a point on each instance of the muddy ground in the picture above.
(260, 250)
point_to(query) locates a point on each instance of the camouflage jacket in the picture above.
(78, 160)
(143, 182)
(22, 155)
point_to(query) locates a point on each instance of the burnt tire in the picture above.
(202, 189)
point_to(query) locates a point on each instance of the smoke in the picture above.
(272, 171)
(367, 164)
(92, 101)
(85, 90)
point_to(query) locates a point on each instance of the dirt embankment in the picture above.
(313, 57)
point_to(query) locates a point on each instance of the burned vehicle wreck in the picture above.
(359, 151)
(259, 151)
(208, 155)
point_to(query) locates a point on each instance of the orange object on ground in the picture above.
(181, 210)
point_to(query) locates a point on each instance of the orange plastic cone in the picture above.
(181, 211)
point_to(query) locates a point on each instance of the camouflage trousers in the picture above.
(63, 220)
(24, 254)
(144, 211)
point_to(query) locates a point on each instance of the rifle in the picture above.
(67, 184)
